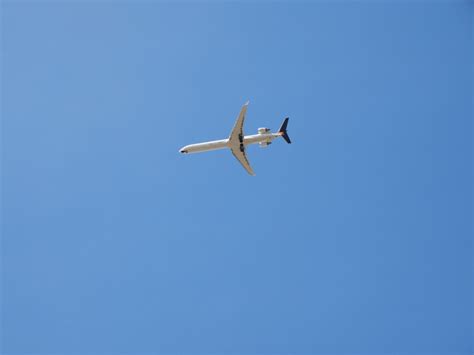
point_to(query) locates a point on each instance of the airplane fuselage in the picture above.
(224, 143)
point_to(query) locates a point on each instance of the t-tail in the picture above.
(283, 131)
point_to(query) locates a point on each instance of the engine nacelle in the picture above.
(263, 130)
(264, 144)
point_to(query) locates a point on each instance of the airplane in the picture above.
(237, 140)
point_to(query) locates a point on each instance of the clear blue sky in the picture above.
(355, 238)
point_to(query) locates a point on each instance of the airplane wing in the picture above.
(236, 140)
(242, 158)
(237, 133)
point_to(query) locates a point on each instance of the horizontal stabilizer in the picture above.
(283, 131)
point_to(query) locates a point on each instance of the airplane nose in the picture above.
(182, 151)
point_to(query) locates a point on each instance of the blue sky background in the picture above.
(356, 238)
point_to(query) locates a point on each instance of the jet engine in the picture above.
(263, 130)
(264, 144)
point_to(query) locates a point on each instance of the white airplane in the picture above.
(237, 141)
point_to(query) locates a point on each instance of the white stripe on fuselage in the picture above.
(224, 143)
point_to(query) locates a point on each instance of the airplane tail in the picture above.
(283, 131)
